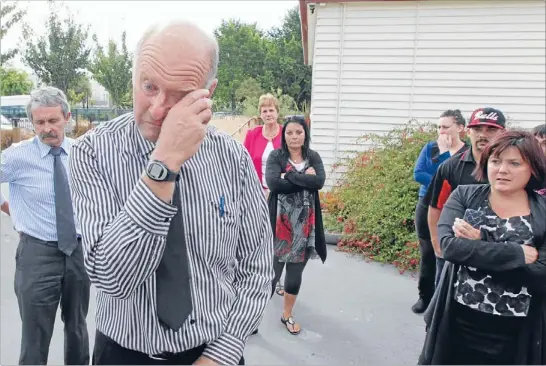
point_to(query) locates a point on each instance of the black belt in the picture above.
(78, 237)
(166, 356)
(52, 243)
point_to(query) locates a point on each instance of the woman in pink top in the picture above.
(261, 140)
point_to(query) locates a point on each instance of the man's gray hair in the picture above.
(158, 27)
(47, 96)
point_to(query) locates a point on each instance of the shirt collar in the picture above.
(44, 148)
(468, 157)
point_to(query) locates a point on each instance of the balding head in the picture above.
(170, 61)
(181, 32)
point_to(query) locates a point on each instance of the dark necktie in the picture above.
(66, 229)
(174, 303)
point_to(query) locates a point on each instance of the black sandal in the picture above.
(290, 321)
(279, 289)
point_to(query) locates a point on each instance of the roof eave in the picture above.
(304, 20)
(304, 31)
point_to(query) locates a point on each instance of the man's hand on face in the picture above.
(183, 129)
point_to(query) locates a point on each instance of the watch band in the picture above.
(157, 170)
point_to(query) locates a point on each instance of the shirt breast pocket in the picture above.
(226, 213)
(221, 230)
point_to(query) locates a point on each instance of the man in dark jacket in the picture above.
(485, 123)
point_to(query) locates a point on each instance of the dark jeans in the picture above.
(45, 277)
(292, 278)
(427, 269)
(108, 352)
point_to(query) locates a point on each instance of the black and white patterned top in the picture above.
(490, 294)
(125, 225)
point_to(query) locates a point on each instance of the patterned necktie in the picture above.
(174, 300)
(66, 229)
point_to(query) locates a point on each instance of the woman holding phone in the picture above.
(490, 305)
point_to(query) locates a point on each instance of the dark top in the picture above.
(428, 162)
(503, 260)
(484, 292)
(293, 182)
(452, 173)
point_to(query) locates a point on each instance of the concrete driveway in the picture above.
(351, 312)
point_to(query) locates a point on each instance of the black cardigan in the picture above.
(295, 181)
(506, 259)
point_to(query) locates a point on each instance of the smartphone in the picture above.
(476, 218)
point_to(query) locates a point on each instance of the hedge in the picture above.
(6, 136)
(373, 204)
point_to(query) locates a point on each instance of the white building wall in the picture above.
(377, 65)
(100, 97)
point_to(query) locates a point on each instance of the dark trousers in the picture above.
(478, 338)
(108, 352)
(292, 278)
(427, 269)
(45, 277)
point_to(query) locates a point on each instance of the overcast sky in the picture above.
(108, 19)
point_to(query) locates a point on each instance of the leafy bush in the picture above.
(81, 128)
(373, 205)
(6, 137)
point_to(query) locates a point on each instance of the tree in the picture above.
(112, 70)
(61, 57)
(274, 60)
(248, 95)
(80, 91)
(10, 15)
(285, 60)
(14, 82)
(242, 54)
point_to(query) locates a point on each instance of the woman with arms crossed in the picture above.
(489, 307)
(295, 174)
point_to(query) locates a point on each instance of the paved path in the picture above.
(351, 312)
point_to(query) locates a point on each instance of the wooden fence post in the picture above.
(16, 136)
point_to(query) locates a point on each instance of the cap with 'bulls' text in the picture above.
(487, 117)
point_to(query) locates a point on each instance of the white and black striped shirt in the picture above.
(124, 229)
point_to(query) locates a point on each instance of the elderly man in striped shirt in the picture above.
(49, 266)
(176, 233)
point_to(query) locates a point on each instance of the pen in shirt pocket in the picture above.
(222, 202)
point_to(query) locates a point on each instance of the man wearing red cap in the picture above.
(485, 123)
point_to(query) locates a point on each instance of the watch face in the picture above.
(156, 171)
